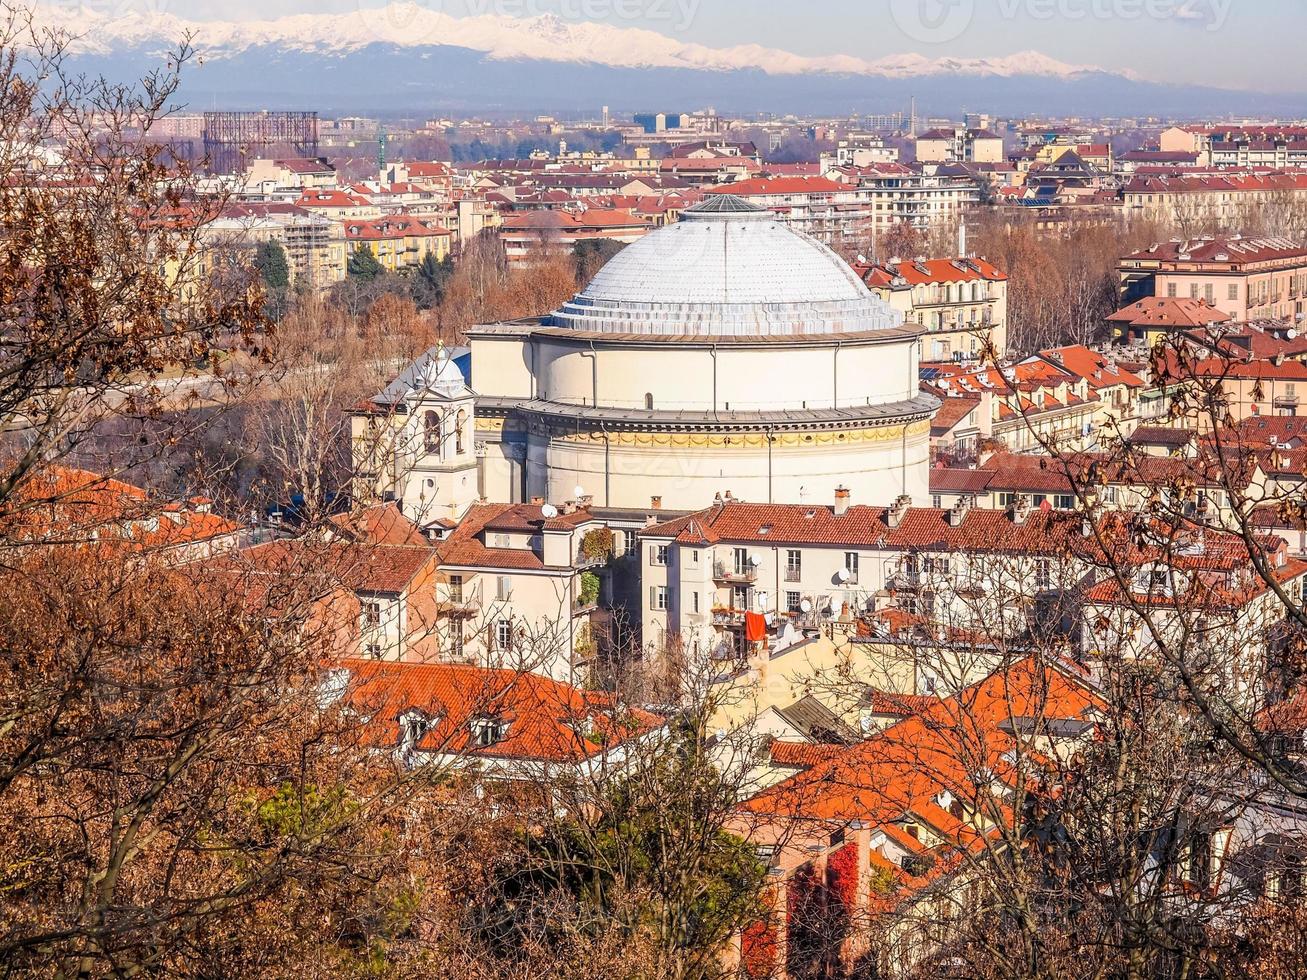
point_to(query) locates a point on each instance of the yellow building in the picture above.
(400, 241)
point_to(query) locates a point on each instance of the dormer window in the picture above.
(413, 727)
(488, 731)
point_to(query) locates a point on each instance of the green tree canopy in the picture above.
(270, 260)
(364, 265)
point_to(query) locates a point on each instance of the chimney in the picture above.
(898, 511)
(842, 498)
(537, 501)
(1021, 509)
(585, 502)
(569, 507)
(656, 502)
(959, 512)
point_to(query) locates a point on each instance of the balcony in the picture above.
(459, 607)
(734, 575)
(906, 580)
(728, 618)
(586, 562)
(793, 575)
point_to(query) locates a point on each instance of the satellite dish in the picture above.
(578, 491)
(1292, 334)
(549, 512)
(755, 559)
(843, 575)
(805, 606)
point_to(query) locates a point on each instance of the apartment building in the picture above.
(531, 235)
(738, 573)
(824, 209)
(400, 241)
(897, 194)
(959, 146)
(1202, 202)
(316, 251)
(960, 302)
(531, 586)
(1246, 278)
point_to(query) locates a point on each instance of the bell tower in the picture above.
(440, 480)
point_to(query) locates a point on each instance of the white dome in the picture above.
(727, 268)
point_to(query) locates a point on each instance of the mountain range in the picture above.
(407, 57)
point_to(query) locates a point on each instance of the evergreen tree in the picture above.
(432, 278)
(364, 265)
(270, 260)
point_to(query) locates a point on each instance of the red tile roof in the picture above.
(382, 524)
(359, 567)
(546, 720)
(74, 505)
(776, 186)
(930, 272)
(942, 748)
(1167, 311)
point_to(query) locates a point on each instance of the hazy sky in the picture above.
(1253, 44)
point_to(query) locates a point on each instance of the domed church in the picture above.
(723, 353)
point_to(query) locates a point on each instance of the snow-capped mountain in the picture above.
(545, 37)
(410, 57)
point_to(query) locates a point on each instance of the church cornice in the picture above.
(546, 416)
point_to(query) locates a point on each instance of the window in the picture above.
(1233, 291)
(851, 566)
(740, 561)
(460, 425)
(740, 597)
(694, 601)
(1064, 501)
(793, 601)
(694, 557)
(658, 554)
(1193, 290)
(503, 636)
(456, 588)
(431, 432)
(1043, 574)
(1209, 293)
(456, 639)
(648, 402)
(631, 545)
(937, 502)
(488, 731)
(658, 598)
(1170, 290)
(935, 566)
(371, 615)
(793, 565)
(503, 587)
(373, 651)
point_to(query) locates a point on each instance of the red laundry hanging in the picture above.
(755, 627)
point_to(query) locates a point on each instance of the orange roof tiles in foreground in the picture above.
(543, 719)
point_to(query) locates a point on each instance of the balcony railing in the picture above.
(728, 617)
(460, 607)
(584, 561)
(793, 574)
(722, 572)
